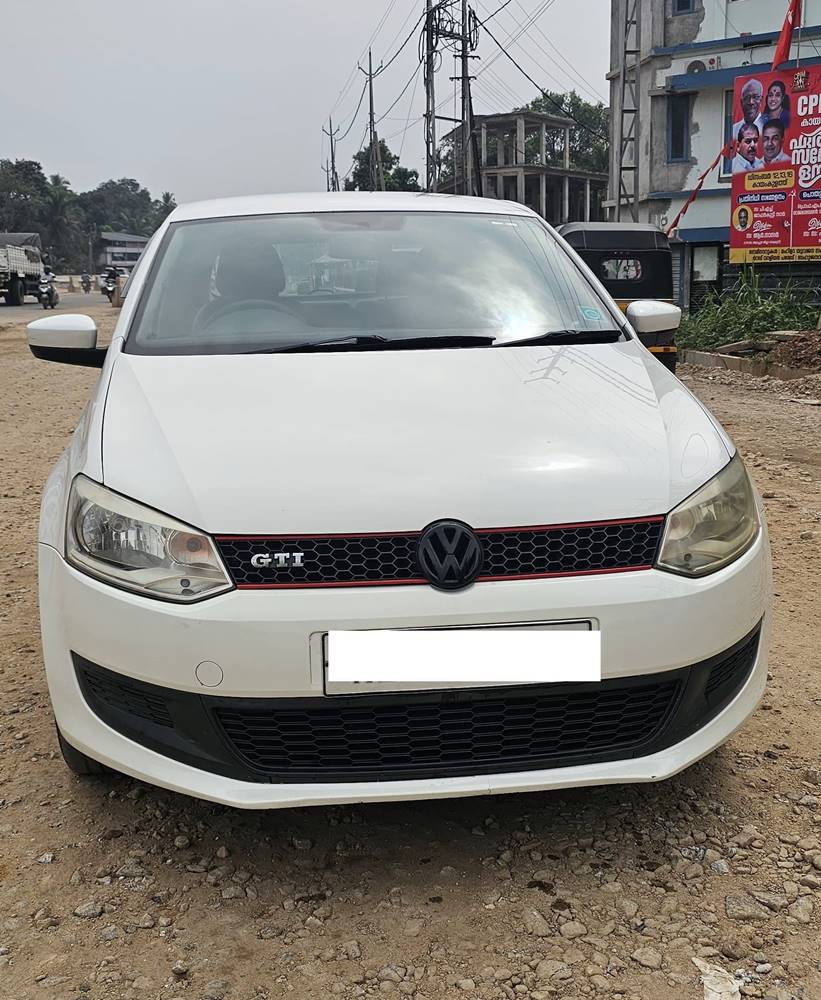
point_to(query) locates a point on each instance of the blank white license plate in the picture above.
(359, 662)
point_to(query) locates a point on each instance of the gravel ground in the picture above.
(112, 889)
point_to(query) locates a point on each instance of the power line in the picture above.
(410, 109)
(514, 36)
(368, 44)
(495, 12)
(571, 70)
(353, 119)
(401, 93)
(524, 30)
(383, 67)
(545, 95)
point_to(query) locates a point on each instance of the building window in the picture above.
(678, 128)
(684, 6)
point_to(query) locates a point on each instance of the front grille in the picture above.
(419, 734)
(509, 553)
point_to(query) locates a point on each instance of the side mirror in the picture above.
(649, 316)
(67, 338)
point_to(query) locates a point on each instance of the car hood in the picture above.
(392, 440)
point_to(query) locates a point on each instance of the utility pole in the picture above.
(467, 129)
(430, 95)
(461, 34)
(376, 173)
(333, 177)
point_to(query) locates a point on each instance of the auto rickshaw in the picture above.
(633, 261)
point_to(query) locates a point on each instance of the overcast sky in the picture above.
(208, 98)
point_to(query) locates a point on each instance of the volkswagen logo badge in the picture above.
(450, 555)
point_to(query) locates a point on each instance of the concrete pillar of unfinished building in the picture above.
(587, 200)
(520, 185)
(519, 153)
(565, 199)
(543, 195)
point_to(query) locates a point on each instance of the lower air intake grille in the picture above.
(420, 734)
(110, 690)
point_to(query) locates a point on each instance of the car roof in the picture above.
(344, 201)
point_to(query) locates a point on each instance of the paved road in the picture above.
(69, 302)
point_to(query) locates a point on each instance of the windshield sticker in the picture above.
(591, 314)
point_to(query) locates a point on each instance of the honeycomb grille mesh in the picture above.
(344, 738)
(360, 560)
(115, 692)
(728, 675)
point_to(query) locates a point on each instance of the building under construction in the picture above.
(524, 156)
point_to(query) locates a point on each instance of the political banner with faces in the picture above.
(776, 166)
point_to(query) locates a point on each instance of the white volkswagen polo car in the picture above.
(398, 416)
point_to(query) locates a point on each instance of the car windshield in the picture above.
(236, 285)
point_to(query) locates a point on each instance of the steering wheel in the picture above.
(244, 305)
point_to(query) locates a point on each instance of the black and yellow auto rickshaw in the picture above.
(633, 261)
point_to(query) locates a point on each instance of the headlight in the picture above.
(712, 527)
(131, 546)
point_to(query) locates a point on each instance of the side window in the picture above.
(684, 6)
(678, 128)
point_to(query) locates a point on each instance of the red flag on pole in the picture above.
(791, 22)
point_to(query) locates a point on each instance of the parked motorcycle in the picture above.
(48, 294)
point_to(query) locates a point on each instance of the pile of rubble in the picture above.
(801, 351)
(805, 390)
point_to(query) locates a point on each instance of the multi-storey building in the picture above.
(691, 51)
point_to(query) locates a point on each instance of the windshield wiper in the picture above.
(565, 337)
(375, 341)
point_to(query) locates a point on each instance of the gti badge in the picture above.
(279, 560)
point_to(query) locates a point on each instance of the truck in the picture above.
(21, 265)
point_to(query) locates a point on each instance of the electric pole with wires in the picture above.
(333, 176)
(463, 34)
(430, 96)
(376, 173)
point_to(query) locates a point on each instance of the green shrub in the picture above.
(746, 313)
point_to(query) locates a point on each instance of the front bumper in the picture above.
(267, 647)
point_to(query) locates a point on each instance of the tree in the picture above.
(64, 220)
(60, 219)
(22, 189)
(163, 208)
(121, 206)
(397, 178)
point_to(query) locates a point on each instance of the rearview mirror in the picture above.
(68, 338)
(649, 316)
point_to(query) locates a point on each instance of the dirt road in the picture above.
(111, 889)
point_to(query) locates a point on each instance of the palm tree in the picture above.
(164, 207)
(59, 216)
